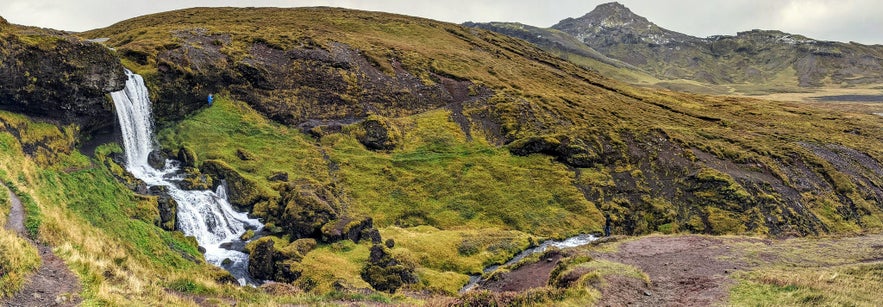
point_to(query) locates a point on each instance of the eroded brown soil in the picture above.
(684, 271)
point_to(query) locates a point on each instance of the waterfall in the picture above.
(205, 215)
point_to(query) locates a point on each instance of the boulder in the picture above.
(242, 192)
(260, 261)
(376, 133)
(278, 176)
(385, 273)
(157, 159)
(187, 157)
(168, 207)
(307, 210)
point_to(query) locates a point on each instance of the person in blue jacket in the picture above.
(210, 99)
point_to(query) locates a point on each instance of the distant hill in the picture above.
(756, 61)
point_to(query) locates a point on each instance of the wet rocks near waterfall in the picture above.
(243, 193)
(168, 207)
(157, 159)
(269, 261)
(187, 157)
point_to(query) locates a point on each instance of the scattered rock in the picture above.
(278, 176)
(247, 235)
(376, 133)
(244, 155)
(157, 159)
(384, 272)
(187, 157)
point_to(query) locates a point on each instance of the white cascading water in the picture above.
(206, 215)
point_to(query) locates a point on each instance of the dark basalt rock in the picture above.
(187, 157)
(157, 159)
(377, 134)
(168, 207)
(278, 176)
(60, 78)
(260, 261)
(242, 193)
(384, 272)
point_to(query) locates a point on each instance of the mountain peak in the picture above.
(613, 14)
(612, 23)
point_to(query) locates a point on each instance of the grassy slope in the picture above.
(103, 231)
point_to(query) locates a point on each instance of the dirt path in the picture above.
(528, 276)
(684, 271)
(16, 220)
(53, 284)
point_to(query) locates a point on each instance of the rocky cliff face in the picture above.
(753, 56)
(52, 75)
(294, 80)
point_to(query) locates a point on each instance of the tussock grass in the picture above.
(18, 258)
(850, 285)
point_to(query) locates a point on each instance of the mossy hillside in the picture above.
(524, 93)
(439, 178)
(431, 147)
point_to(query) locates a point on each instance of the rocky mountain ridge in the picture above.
(767, 59)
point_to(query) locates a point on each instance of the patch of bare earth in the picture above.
(53, 284)
(528, 276)
(683, 271)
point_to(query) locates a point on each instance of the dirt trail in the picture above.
(16, 220)
(684, 271)
(53, 284)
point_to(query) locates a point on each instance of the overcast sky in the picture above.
(840, 20)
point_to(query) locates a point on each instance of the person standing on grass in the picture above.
(211, 99)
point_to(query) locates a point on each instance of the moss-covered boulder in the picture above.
(270, 259)
(377, 133)
(195, 180)
(260, 259)
(306, 210)
(187, 157)
(242, 192)
(385, 273)
(168, 207)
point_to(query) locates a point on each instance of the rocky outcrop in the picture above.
(242, 192)
(279, 263)
(52, 75)
(376, 133)
(385, 273)
(168, 207)
(293, 82)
